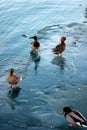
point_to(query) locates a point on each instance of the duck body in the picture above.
(74, 117)
(35, 44)
(60, 48)
(13, 79)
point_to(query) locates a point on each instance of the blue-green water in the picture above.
(49, 82)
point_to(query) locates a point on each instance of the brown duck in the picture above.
(13, 79)
(60, 47)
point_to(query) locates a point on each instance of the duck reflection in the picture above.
(35, 58)
(12, 94)
(32, 58)
(59, 61)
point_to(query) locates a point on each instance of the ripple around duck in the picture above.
(76, 42)
(49, 37)
(51, 85)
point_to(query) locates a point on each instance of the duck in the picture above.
(74, 117)
(35, 44)
(58, 50)
(13, 79)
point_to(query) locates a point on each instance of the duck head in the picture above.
(34, 37)
(11, 71)
(66, 110)
(63, 39)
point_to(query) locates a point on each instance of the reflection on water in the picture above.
(59, 61)
(35, 58)
(12, 94)
(32, 58)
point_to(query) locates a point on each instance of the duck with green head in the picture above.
(74, 117)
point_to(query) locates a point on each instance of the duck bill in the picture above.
(31, 37)
(62, 112)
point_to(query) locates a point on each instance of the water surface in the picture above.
(49, 82)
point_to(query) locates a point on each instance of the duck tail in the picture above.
(84, 124)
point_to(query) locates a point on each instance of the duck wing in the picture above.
(16, 77)
(79, 115)
(77, 118)
(57, 48)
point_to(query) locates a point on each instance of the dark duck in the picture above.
(35, 44)
(74, 117)
(58, 50)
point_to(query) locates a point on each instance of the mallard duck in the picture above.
(35, 44)
(13, 79)
(60, 48)
(74, 117)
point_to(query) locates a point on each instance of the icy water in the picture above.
(49, 82)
